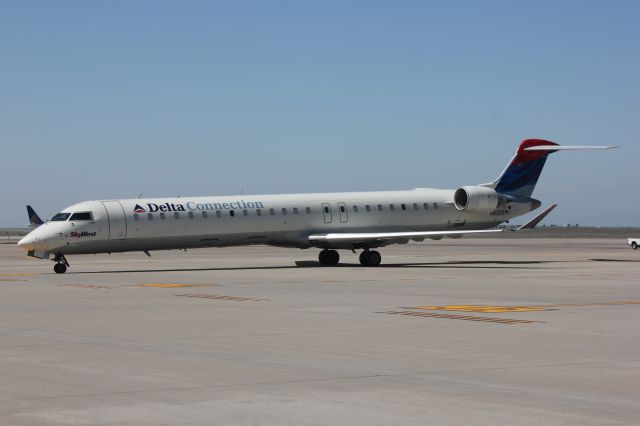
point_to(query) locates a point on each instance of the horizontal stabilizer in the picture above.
(565, 147)
(536, 220)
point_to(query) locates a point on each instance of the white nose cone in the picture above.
(26, 242)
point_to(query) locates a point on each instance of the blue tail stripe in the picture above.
(520, 180)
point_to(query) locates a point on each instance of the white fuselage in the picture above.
(280, 220)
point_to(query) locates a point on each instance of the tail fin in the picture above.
(34, 219)
(521, 175)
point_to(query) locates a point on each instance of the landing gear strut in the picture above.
(329, 257)
(61, 264)
(370, 258)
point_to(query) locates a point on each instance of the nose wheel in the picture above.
(370, 258)
(61, 264)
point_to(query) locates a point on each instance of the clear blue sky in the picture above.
(109, 99)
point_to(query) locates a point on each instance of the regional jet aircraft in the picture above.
(330, 222)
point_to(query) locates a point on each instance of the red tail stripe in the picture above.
(523, 156)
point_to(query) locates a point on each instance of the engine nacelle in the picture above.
(478, 198)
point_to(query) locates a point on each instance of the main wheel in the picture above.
(329, 257)
(370, 258)
(60, 268)
(374, 258)
(634, 245)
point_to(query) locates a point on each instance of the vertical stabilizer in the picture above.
(521, 175)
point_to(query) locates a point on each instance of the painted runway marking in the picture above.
(461, 317)
(173, 285)
(482, 308)
(95, 287)
(220, 297)
(529, 308)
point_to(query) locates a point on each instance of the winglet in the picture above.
(34, 219)
(536, 220)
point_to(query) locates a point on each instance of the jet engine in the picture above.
(478, 198)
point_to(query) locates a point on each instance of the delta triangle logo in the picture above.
(138, 209)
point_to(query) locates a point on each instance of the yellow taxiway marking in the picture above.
(462, 317)
(172, 285)
(84, 286)
(530, 308)
(220, 297)
(482, 308)
(10, 280)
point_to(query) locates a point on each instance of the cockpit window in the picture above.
(81, 216)
(60, 217)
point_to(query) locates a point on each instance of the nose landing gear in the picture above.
(61, 264)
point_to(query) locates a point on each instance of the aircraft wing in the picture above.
(363, 237)
(357, 238)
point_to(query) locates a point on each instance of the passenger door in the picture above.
(117, 220)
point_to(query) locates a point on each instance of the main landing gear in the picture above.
(367, 258)
(370, 258)
(329, 257)
(61, 264)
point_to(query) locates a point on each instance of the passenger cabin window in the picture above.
(415, 206)
(272, 212)
(232, 213)
(176, 215)
(218, 213)
(403, 206)
(295, 210)
(391, 207)
(435, 206)
(259, 212)
(190, 215)
(81, 216)
(204, 214)
(367, 208)
(326, 209)
(355, 209)
(245, 213)
(161, 215)
(136, 217)
(284, 211)
(342, 209)
(426, 206)
(60, 217)
(379, 207)
(149, 216)
(308, 210)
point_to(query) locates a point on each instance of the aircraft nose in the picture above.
(26, 242)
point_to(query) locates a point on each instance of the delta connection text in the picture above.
(193, 206)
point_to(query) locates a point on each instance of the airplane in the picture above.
(327, 221)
